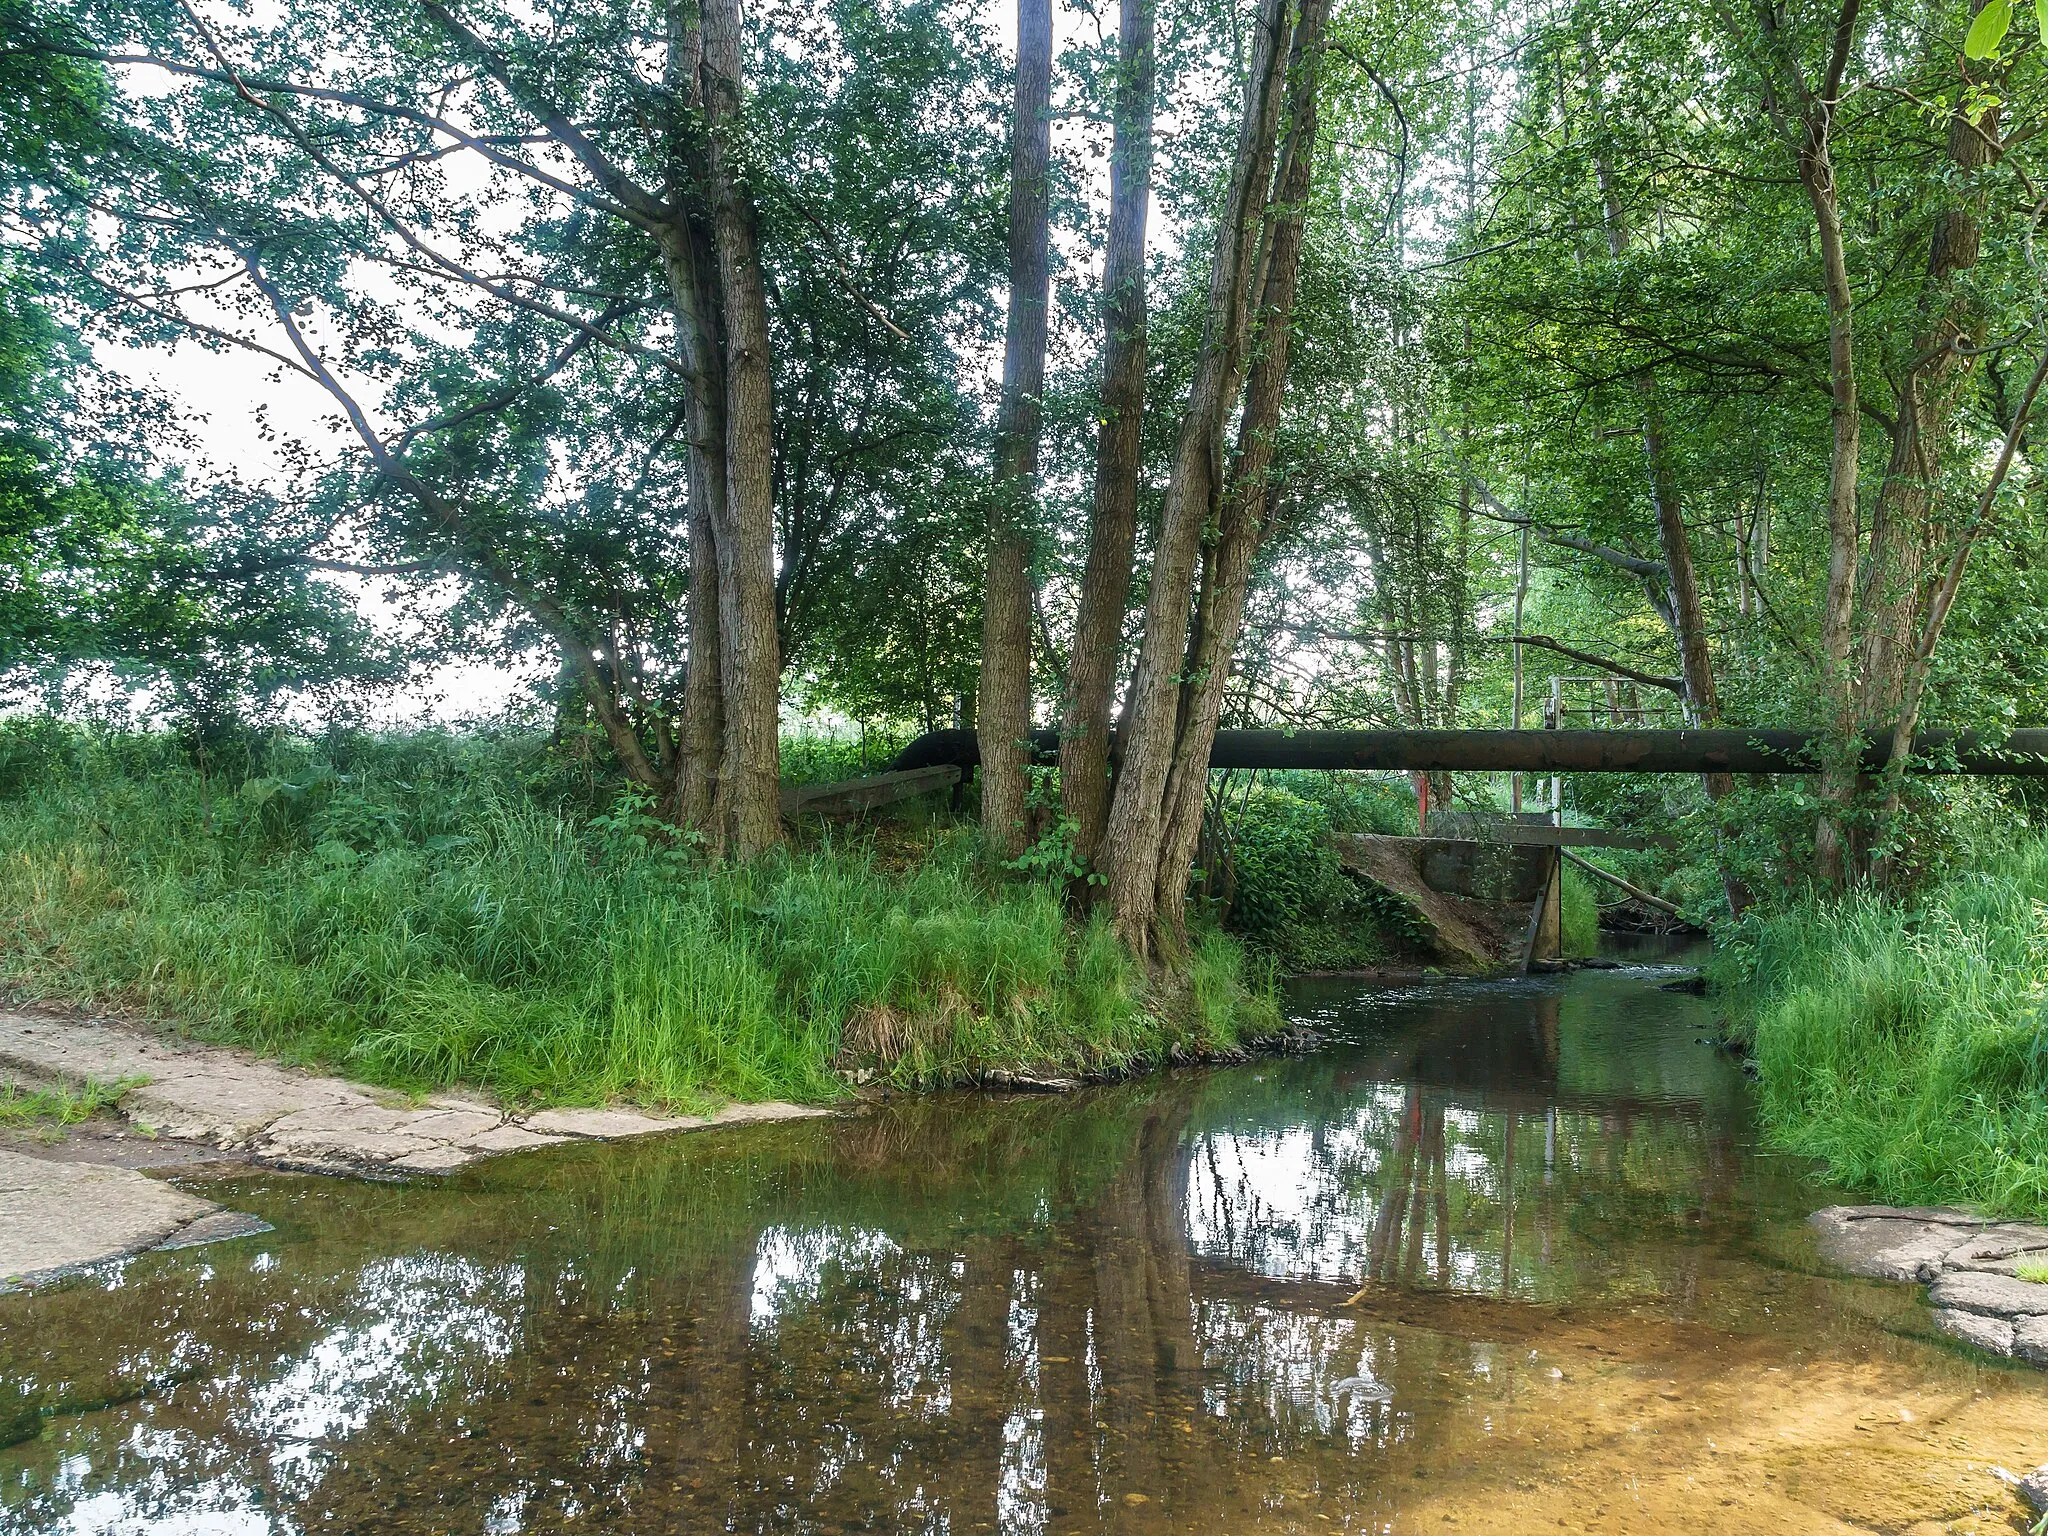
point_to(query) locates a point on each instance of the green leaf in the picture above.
(2041, 15)
(1989, 29)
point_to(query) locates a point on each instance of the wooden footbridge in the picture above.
(1486, 864)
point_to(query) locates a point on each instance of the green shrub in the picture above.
(1292, 898)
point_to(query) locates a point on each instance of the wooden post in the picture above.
(1545, 938)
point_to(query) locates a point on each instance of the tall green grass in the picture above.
(432, 917)
(1908, 1046)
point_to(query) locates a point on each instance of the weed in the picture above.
(1905, 1045)
(62, 1105)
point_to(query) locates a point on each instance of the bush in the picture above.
(1906, 1046)
(1292, 898)
(438, 912)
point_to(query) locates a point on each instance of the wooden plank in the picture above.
(1566, 837)
(849, 797)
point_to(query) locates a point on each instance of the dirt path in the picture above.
(62, 1206)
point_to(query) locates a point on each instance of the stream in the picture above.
(1496, 1256)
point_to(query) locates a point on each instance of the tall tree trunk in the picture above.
(1004, 710)
(1112, 534)
(1685, 611)
(703, 742)
(749, 818)
(1902, 524)
(1248, 499)
(1787, 91)
(1138, 812)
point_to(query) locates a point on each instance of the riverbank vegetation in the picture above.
(427, 911)
(1905, 1042)
(666, 377)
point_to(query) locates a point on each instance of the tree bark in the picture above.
(1814, 127)
(1685, 610)
(1243, 522)
(1902, 523)
(1138, 810)
(1112, 534)
(1004, 708)
(749, 818)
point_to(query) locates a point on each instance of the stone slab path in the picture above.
(56, 1217)
(295, 1119)
(57, 1214)
(1970, 1265)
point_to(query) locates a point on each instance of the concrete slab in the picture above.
(1884, 1247)
(57, 1216)
(2030, 1340)
(509, 1138)
(219, 1227)
(753, 1114)
(1990, 1295)
(608, 1124)
(226, 1098)
(1988, 1333)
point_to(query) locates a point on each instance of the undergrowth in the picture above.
(435, 913)
(1907, 1046)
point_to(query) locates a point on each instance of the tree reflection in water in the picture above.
(1127, 1309)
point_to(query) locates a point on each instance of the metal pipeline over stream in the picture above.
(2022, 752)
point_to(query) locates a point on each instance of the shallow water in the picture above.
(1497, 1257)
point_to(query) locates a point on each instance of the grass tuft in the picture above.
(34, 1108)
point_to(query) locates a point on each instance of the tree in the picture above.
(1003, 709)
(1190, 632)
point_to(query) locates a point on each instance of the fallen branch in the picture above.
(1622, 885)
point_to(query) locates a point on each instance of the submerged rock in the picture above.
(2034, 1489)
(1987, 1333)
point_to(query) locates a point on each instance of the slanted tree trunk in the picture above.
(1112, 532)
(1004, 709)
(749, 817)
(1227, 576)
(1136, 832)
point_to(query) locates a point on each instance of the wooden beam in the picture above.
(849, 797)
